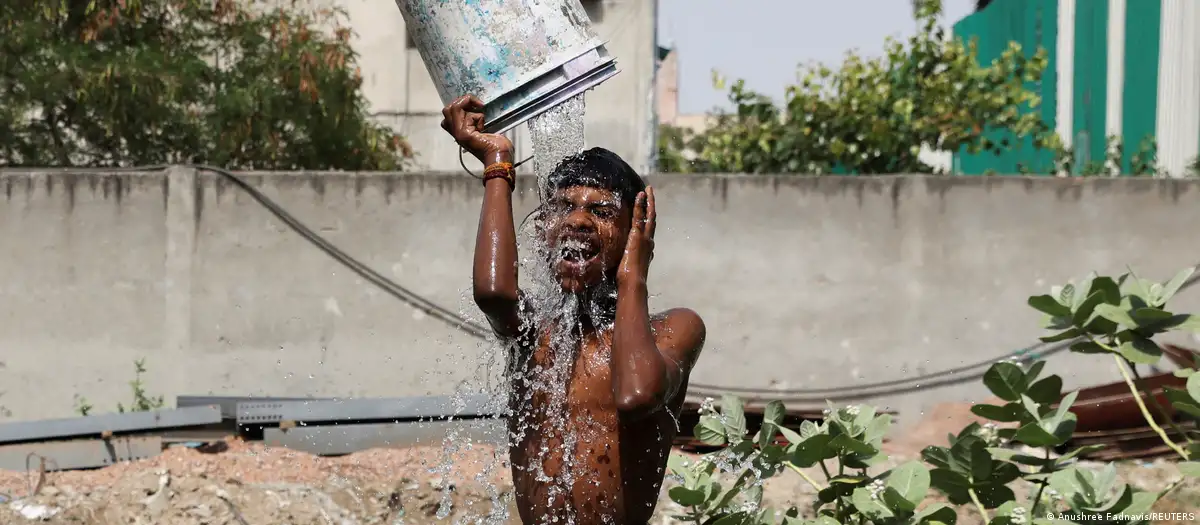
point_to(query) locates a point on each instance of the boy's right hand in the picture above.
(463, 119)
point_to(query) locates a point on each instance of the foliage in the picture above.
(674, 154)
(978, 467)
(873, 115)
(222, 82)
(142, 402)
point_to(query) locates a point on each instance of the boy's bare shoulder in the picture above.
(679, 329)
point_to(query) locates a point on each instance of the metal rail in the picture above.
(100, 425)
(385, 409)
(332, 440)
(78, 454)
(229, 404)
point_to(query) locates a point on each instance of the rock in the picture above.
(34, 512)
(201, 511)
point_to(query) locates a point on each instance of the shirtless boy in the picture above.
(631, 368)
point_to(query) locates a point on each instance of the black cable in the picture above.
(411, 298)
(851, 392)
(699, 387)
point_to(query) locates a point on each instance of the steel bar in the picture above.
(381, 409)
(78, 454)
(229, 404)
(50, 429)
(328, 440)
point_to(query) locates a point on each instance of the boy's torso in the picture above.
(615, 467)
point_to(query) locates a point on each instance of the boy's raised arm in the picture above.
(494, 274)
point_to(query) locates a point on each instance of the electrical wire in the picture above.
(461, 323)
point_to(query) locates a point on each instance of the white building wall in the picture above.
(1178, 129)
(402, 95)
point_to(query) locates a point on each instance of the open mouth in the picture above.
(578, 249)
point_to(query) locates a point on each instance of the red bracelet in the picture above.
(501, 170)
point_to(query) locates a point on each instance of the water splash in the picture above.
(505, 370)
(556, 134)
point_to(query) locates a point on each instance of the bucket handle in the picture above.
(462, 162)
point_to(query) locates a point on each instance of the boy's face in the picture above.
(585, 229)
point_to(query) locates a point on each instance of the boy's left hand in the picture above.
(639, 249)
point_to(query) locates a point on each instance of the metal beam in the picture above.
(346, 439)
(84, 453)
(382, 409)
(229, 404)
(50, 429)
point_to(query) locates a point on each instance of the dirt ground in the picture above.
(248, 484)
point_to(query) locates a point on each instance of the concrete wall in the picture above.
(401, 93)
(804, 282)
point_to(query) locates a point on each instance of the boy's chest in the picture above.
(586, 374)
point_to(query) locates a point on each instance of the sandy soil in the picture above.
(248, 484)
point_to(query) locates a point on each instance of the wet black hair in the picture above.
(598, 168)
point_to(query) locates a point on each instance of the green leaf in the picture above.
(848, 445)
(1140, 351)
(952, 484)
(1035, 369)
(1193, 387)
(1065, 294)
(937, 456)
(1082, 293)
(870, 507)
(1172, 286)
(734, 416)
(993, 496)
(1005, 380)
(877, 429)
(1084, 311)
(1065, 483)
(911, 481)
(1081, 451)
(1141, 503)
(1116, 314)
(1047, 390)
(678, 465)
(1049, 305)
(1006, 454)
(1007, 413)
(792, 438)
(936, 513)
(1183, 372)
(1034, 434)
(710, 430)
(1112, 292)
(1061, 336)
(1189, 409)
(1150, 317)
(1088, 347)
(686, 497)
(774, 412)
(812, 450)
(809, 429)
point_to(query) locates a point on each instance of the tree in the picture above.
(873, 115)
(224, 82)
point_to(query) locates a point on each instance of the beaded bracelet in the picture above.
(501, 170)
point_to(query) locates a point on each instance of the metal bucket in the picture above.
(520, 57)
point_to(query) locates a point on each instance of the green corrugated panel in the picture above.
(1091, 80)
(1139, 104)
(1033, 24)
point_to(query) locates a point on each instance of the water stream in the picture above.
(502, 368)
